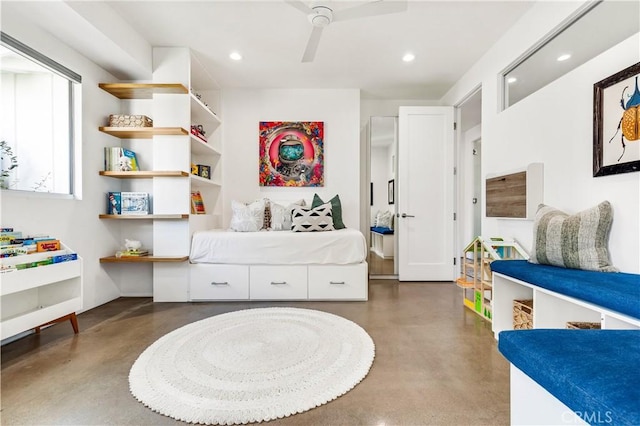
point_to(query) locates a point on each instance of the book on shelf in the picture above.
(114, 203)
(134, 253)
(197, 203)
(117, 159)
(135, 203)
(128, 203)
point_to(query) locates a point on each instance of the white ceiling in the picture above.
(447, 37)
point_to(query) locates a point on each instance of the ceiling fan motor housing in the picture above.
(322, 16)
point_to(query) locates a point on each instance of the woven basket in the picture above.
(122, 120)
(522, 314)
(575, 325)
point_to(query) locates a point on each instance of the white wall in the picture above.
(242, 111)
(74, 221)
(554, 126)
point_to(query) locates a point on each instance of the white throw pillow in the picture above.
(310, 220)
(385, 220)
(281, 215)
(247, 218)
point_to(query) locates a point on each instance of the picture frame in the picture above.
(616, 144)
(391, 191)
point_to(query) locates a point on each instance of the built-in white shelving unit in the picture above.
(178, 80)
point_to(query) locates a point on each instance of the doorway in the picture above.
(383, 148)
(469, 170)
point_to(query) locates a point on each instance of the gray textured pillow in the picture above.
(310, 220)
(281, 215)
(579, 241)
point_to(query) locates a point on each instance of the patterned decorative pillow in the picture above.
(315, 219)
(266, 224)
(281, 215)
(336, 207)
(579, 241)
(247, 218)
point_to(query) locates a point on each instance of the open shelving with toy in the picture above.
(181, 153)
(476, 278)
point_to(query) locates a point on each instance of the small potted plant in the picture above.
(8, 161)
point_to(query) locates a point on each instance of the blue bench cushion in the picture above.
(596, 373)
(382, 230)
(616, 291)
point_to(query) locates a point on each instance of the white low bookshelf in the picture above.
(38, 296)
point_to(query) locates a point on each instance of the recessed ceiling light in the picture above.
(235, 56)
(511, 80)
(408, 57)
(563, 57)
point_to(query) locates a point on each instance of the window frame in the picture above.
(74, 85)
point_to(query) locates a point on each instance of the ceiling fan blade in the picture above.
(300, 6)
(312, 45)
(373, 8)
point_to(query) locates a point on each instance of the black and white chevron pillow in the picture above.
(312, 220)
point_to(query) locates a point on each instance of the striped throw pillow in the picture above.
(579, 241)
(310, 220)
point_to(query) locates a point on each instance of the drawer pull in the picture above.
(278, 283)
(337, 282)
(222, 283)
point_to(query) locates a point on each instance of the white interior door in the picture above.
(425, 194)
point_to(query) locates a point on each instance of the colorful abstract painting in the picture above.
(291, 153)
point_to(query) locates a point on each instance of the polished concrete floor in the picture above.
(379, 266)
(436, 363)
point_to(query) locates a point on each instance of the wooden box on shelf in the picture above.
(522, 314)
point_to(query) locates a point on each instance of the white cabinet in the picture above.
(35, 296)
(550, 309)
(330, 282)
(382, 244)
(219, 282)
(278, 282)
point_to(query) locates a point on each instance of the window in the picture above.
(595, 28)
(37, 130)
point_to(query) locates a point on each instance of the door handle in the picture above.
(407, 215)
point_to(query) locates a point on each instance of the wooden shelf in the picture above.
(142, 90)
(145, 216)
(461, 282)
(142, 259)
(143, 174)
(143, 132)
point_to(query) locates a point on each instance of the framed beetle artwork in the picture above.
(616, 123)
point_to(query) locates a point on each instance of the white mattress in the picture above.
(341, 247)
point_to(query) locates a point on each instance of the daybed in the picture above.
(280, 251)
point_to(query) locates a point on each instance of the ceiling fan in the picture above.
(321, 14)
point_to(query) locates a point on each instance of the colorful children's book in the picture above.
(135, 203)
(114, 203)
(197, 204)
(120, 159)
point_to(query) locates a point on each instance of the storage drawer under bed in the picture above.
(219, 282)
(344, 282)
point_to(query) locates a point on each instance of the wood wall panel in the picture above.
(507, 196)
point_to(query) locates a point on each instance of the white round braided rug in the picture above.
(252, 365)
